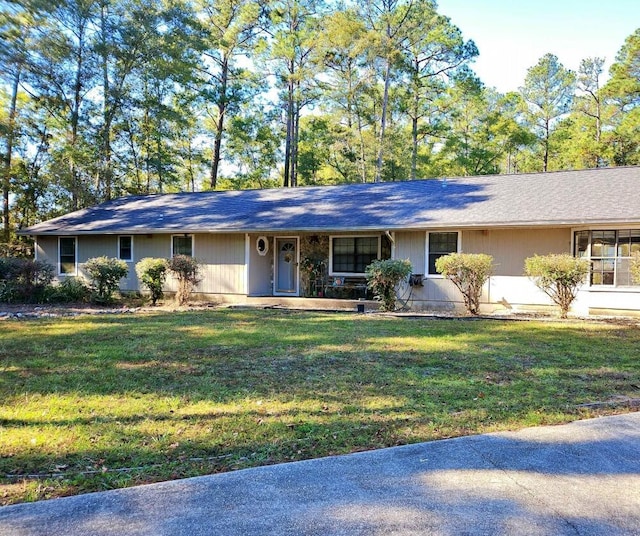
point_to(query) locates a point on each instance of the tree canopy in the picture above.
(104, 98)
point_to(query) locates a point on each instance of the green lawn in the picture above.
(103, 401)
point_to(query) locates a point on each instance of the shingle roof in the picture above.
(607, 195)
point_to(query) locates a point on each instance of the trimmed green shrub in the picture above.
(186, 270)
(70, 290)
(383, 277)
(105, 274)
(23, 280)
(468, 272)
(559, 276)
(152, 274)
(634, 268)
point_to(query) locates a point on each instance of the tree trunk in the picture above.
(106, 108)
(289, 135)
(222, 109)
(414, 147)
(383, 121)
(294, 146)
(6, 176)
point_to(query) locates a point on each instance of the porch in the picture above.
(294, 302)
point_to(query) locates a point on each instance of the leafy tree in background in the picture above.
(295, 34)
(623, 92)
(548, 95)
(231, 29)
(433, 49)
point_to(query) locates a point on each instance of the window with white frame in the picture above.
(125, 248)
(182, 245)
(67, 255)
(610, 253)
(438, 245)
(352, 254)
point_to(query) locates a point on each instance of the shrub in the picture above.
(383, 276)
(23, 280)
(559, 276)
(105, 274)
(634, 268)
(70, 290)
(186, 270)
(468, 272)
(153, 274)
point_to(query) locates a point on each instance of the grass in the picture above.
(98, 402)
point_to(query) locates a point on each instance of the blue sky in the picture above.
(512, 35)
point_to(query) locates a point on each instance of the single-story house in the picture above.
(317, 241)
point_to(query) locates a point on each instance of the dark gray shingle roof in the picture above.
(609, 195)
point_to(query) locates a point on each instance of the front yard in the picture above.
(103, 401)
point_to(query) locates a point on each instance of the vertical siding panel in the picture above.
(510, 247)
(411, 245)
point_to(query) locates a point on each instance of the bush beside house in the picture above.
(383, 277)
(468, 272)
(105, 274)
(559, 276)
(186, 270)
(153, 274)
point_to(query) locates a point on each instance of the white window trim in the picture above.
(351, 274)
(132, 254)
(183, 235)
(602, 288)
(75, 260)
(426, 250)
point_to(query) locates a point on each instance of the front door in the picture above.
(286, 267)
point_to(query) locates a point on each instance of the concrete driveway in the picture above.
(582, 478)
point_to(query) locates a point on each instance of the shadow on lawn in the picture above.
(579, 479)
(332, 383)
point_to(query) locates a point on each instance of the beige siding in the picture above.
(223, 260)
(411, 245)
(260, 268)
(510, 247)
(47, 249)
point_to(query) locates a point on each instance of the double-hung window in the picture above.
(67, 255)
(610, 253)
(352, 254)
(182, 245)
(125, 248)
(438, 245)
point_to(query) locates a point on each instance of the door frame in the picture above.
(276, 257)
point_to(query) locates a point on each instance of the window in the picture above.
(125, 248)
(182, 245)
(610, 253)
(352, 254)
(438, 245)
(67, 262)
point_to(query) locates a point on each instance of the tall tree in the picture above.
(548, 94)
(295, 36)
(16, 28)
(231, 30)
(388, 29)
(622, 91)
(434, 48)
(346, 82)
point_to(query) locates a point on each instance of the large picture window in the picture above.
(182, 245)
(610, 253)
(352, 254)
(438, 245)
(67, 259)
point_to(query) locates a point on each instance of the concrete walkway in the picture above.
(582, 478)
